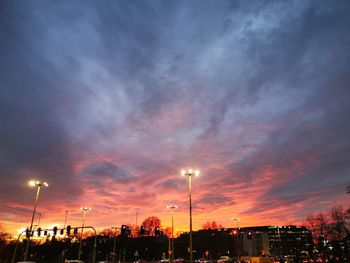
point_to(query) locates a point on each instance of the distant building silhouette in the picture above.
(276, 241)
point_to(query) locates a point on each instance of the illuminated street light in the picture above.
(38, 184)
(84, 209)
(190, 173)
(171, 247)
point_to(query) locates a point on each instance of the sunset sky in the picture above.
(108, 100)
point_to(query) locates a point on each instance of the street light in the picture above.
(38, 184)
(236, 220)
(171, 247)
(114, 243)
(190, 173)
(84, 209)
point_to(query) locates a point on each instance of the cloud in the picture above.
(109, 170)
(110, 104)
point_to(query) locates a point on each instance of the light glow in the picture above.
(172, 206)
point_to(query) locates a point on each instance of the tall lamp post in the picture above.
(38, 220)
(65, 219)
(236, 220)
(38, 185)
(171, 247)
(84, 209)
(190, 173)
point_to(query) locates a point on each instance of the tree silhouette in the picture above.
(211, 225)
(3, 250)
(151, 222)
(332, 227)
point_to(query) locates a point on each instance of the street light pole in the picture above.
(38, 220)
(190, 173)
(236, 219)
(65, 219)
(84, 209)
(137, 216)
(171, 247)
(38, 185)
(114, 244)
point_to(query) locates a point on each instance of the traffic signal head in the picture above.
(75, 231)
(143, 230)
(68, 230)
(62, 232)
(249, 235)
(39, 231)
(235, 232)
(45, 232)
(55, 231)
(157, 231)
(27, 233)
(125, 230)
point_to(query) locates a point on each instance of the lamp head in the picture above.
(33, 183)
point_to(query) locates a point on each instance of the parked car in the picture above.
(225, 259)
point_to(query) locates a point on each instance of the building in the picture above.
(275, 241)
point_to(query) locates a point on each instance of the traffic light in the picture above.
(249, 235)
(234, 232)
(68, 230)
(123, 230)
(27, 233)
(62, 232)
(157, 231)
(45, 232)
(75, 231)
(39, 231)
(55, 231)
(143, 230)
(241, 235)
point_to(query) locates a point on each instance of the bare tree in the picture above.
(319, 226)
(3, 250)
(340, 225)
(330, 230)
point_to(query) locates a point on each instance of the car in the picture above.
(224, 259)
(202, 260)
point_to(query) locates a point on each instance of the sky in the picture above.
(108, 100)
